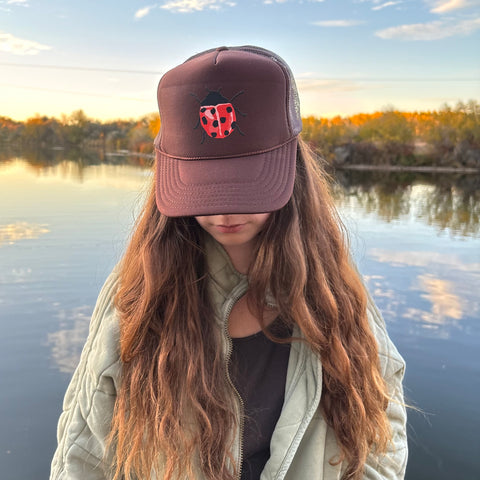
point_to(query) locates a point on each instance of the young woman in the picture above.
(235, 338)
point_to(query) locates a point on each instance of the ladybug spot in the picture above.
(229, 109)
(204, 120)
(226, 132)
(214, 134)
(234, 125)
(202, 109)
(212, 111)
(223, 119)
(215, 123)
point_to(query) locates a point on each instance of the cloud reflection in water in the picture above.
(13, 232)
(66, 343)
(448, 285)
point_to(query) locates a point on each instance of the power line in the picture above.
(299, 78)
(392, 80)
(73, 92)
(80, 93)
(86, 69)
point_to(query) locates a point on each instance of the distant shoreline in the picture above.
(363, 167)
(328, 165)
(408, 168)
(127, 153)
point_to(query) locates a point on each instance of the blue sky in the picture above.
(348, 56)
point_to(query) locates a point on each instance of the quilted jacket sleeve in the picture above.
(88, 405)
(392, 465)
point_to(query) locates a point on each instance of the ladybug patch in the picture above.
(217, 115)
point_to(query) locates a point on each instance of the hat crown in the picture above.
(253, 102)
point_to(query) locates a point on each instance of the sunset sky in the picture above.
(348, 56)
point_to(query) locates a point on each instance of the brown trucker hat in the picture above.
(230, 118)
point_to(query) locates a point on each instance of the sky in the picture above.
(348, 56)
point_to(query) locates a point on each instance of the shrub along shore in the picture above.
(447, 139)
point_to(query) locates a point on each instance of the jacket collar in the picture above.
(223, 274)
(220, 268)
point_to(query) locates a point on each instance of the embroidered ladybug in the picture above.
(217, 115)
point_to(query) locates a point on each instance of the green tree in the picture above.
(390, 127)
(78, 128)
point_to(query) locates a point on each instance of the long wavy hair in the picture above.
(174, 411)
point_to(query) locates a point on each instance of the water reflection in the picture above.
(435, 301)
(41, 158)
(67, 342)
(398, 258)
(425, 284)
(447, 201)
(13, 232)
(118, 175)
(445, 305)
(14, 276)
(437, 292)
(451, 207)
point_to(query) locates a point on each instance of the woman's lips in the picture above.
(230, 228)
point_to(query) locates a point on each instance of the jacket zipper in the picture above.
(229, 379)
(296, 441)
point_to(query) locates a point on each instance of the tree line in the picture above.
(448, 136)
(81, 132)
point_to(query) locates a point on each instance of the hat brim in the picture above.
(257, 183)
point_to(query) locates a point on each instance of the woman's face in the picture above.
(234, 230)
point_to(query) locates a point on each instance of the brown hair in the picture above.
(174, 411)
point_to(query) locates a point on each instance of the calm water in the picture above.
(64, 224)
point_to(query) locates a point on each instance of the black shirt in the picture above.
(258, 369)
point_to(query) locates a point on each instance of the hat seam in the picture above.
(236, 155)
(286, 74)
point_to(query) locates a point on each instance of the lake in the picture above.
(64, 223)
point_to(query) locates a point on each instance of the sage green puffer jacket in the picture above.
(302, 443)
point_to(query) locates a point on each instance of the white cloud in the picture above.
(443, 6)
(270, 2)
(142, 12)
(19, 46)
(385, 5)
(14, 3)
(187, 6)
(430, 31)
(436, 6)
(337, 23)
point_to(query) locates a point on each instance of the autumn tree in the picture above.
(42, 131)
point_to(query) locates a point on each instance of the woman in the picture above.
(234, 339)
